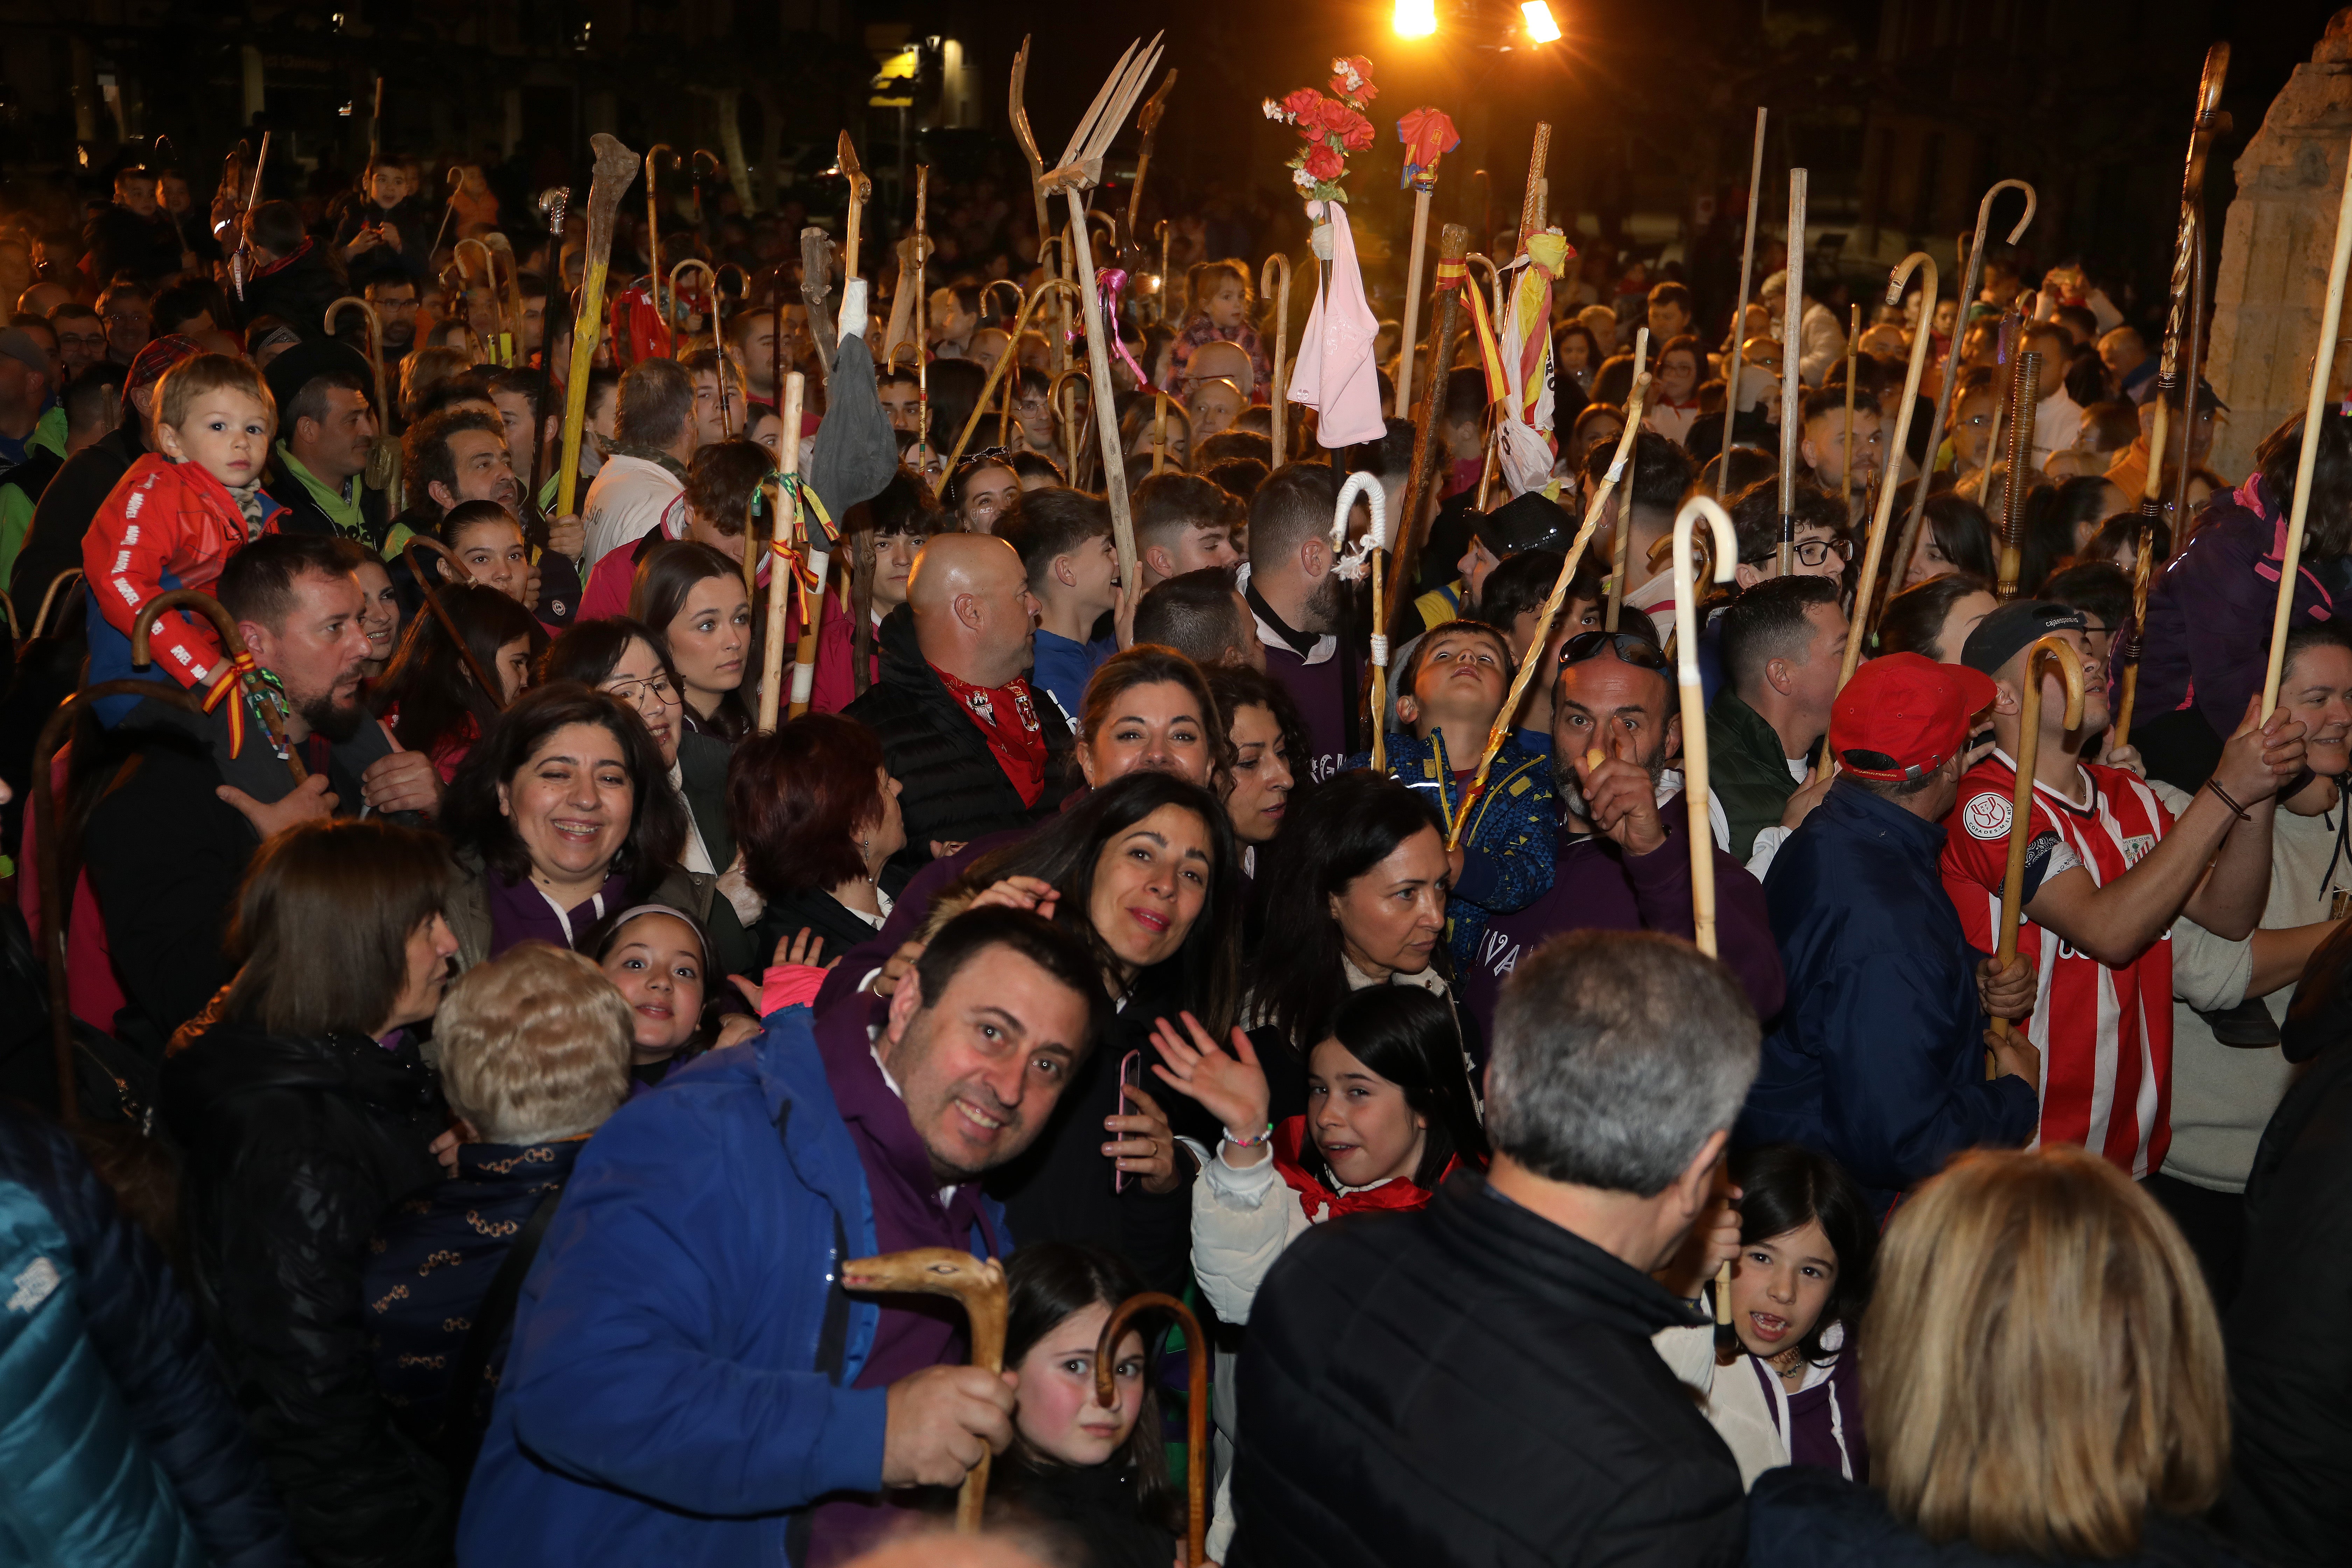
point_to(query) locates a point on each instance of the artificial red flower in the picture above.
(1324, 164)
(1362, 90)
(1304, 108)
(1355, 131)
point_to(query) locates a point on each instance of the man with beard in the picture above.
(395, 299)
(1298, 598)
(448, 458)
(168, 840)
(1624, 860)
(690, 1285)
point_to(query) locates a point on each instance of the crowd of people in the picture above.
(488, 1037)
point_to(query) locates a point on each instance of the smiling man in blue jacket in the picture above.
(1878, 1057)
(689, 1381)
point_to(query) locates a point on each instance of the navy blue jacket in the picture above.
(109, 1395)
(682, 1377)
(1878, 1057)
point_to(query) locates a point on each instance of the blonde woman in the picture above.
(2043, 1380)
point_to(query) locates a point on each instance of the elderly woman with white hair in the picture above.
(534, 1055)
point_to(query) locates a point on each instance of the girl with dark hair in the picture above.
(1933, 618)
(304, 1113)
(1790, 1393)
(983, 487)
(428, 694)
(1355, 897)
(2209, 615)
(1267, 740)
(1218, 298)
(663, 966)
(1955, 535)
(885, 534)
(1101, 1475)
(560, 815)
(2060, 523)
(693, 598)
(816, 811)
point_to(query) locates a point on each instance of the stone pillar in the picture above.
(2275, 247)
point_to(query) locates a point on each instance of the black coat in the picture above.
(120, 240)
(811, 910)
(303, 514)
(951, 787)
(296, 291)
(294, 1149)
(1800, 1518)
(146, 1337)
(65, 510)
(1092, 1510)
(1470, 1384)
(2289, 1328)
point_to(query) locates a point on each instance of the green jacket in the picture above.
(16, 505)
(1747, 770)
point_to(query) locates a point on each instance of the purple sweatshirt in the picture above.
(1597, 887)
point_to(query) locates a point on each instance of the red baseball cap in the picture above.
(1902, 714)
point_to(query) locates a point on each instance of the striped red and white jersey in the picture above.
(2104, 1032)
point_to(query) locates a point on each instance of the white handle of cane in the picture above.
(1367, 485)
(1727, 560)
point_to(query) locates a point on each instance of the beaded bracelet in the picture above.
(1249, 1143)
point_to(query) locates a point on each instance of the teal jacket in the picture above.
(1747, 769)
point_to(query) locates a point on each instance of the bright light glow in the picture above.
(1415, 19)
(1543, 28)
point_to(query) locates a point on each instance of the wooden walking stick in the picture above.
(1697, 510)
(1081, 170)
(1971, 279)
(1425, 132)
(2151, 508)
(2063, 661)
(1883, 514)
(1147, 120)
(1028, 139)
(1071, 417)
(2185, 371)
(1739, 306)
(1453, 244)
(1274, 277)
(1792, 321)
(2016, 460)
(999, 372)
(1622, 534)
(861, 191)
(267, 702)
(1852, 354)
(978, 1285)
(615, 168)
(653, 212)
(784, 519)
(2323, 365)
(453, 570)
(1196, 1405)
(1158, 434)
(383, 455)
(1368, 485)
(489, 286)
(65, 580)
(1559, 596)
(923, 295)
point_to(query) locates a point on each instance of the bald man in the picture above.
(972, 750)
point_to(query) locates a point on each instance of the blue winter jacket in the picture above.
(1878, 1057)
(680, 1378)
(118, 1440)
(1509, 849)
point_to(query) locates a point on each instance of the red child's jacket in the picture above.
(164, 525)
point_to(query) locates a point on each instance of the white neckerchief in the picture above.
(882, 899)
(562, 915)
(696, 855)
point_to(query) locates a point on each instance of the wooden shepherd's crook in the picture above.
(1079, 171)
(1793, 322)
(653, 211)
(1453, 244)
(1496, 736)
(489, 286)
(1274, 277)
(1921, 262)
(2151, 510)
(2016, 462)
(1739, 307)
(1424, 186)
(1196, 1405)
(384, 454)
(1622, 536)
(615, 168)
(2067, 664)
(978, 1284)
(1368, 485)
(453, 571)
(1971, 279)
(1005, 365)
(2322, 368)
(782, 581)
(232, 650)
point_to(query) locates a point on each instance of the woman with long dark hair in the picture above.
(429, 694)
(884, 536)
(693, 598)
(1269, 748)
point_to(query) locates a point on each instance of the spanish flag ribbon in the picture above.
(232, 681)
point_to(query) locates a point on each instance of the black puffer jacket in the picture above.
(297, 290)
(951, 788)
(1470, 1384)
(295, 1147)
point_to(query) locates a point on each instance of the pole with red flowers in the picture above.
(1427, 135)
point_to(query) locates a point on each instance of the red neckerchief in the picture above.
(1008, 720)
(1321, 1202)
(289, 259)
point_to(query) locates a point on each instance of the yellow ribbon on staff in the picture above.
(232, 682)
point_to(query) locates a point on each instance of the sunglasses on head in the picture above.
(1631, 647)
(998, 455)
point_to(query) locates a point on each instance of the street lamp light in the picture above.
(1543, 28)
(1415, 19)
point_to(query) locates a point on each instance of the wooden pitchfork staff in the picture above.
(1147, 120)
(1694, 780)
(1740, 309)
(1623, 540)
(1196, 1405)
(2322, 366)
(1453, 245)
(617, 167)
(2063, 661)
(1559, 596)
(978, 1285)
(1079, 171)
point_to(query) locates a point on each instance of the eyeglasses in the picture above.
(634, 692)
(1816, 552)
(1631, 647)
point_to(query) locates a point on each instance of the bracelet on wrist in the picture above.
(2223, 797)
(1239, 1142)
